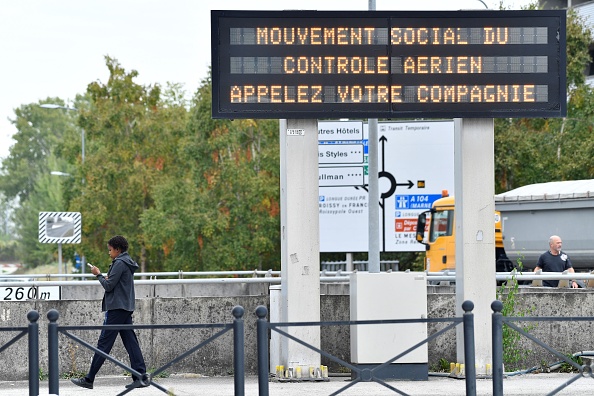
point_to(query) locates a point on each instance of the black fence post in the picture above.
(497, 329)
(238, 351)
(262, 339)
(33, 330)
(469, 356)
(52, 352)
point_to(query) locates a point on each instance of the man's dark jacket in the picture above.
(119, 284)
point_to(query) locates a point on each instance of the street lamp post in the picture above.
(61, 268)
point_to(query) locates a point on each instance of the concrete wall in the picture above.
(567, 337)
(95, 291)
(162, 345)
(159, 346)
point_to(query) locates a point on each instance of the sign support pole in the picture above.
(373, 256)
(300, 240)
(349, 262)
(374, 238)
(60, 271)
(474, 165)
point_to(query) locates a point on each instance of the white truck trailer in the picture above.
(531, 214)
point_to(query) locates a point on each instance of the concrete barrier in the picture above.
(159, 346)
(162, 345)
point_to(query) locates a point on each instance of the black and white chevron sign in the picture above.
(60, 227)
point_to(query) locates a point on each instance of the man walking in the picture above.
(118, 305)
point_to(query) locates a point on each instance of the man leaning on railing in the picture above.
(555, 260)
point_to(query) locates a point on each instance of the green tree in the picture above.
(38, 136)
(221, 210)
(131, 139)
(540, 150)
(25, 176)
(7, 237)
(46, 197)
(6, 228)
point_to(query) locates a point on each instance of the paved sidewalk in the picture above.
(184, 385)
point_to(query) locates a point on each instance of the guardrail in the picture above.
(271, 277)
(385, 265)
(538, 276)
(150, 275)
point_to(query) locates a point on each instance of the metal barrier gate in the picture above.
(32, 331)
(263, 327)
(497, 322)
(238, 348)
(366, 375)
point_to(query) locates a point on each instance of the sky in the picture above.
(56, 48)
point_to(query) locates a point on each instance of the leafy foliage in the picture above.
(6, 226)
(540, 150)
(8, 250)
(221, 211)
(565, 367)
(132, 134)
(26, 177)
(513, 352)
(37, 140)
(47, 197)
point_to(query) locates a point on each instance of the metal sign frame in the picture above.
(388, 64)
(60, 227)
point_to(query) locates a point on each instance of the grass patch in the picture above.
(442, 366)
(42, 269)
(72, 374)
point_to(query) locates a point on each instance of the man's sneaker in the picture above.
(82, 382)
(136, 384)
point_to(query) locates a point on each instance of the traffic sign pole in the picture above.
(374, 237)
(60, 258)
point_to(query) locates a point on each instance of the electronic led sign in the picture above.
(388, 64)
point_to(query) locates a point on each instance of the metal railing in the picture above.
(366, 374)
(237, 326)
(270, 277)
(498, 321)
(32, 331)
(450, 276)
(150, 275)
(385, 265)
(262, 336)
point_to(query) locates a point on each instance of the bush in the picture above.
(8, 251)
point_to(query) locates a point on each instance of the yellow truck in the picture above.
(441, 237)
